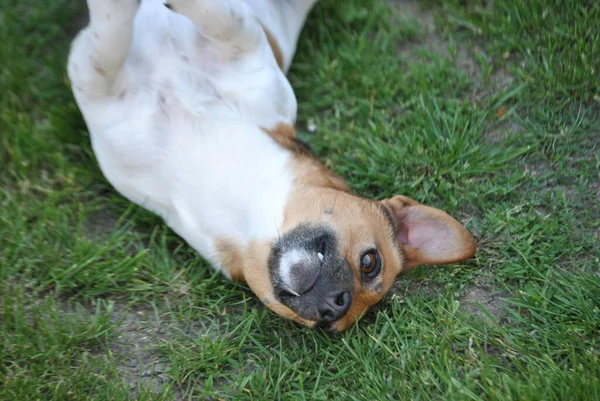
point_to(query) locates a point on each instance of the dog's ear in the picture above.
(427, 235)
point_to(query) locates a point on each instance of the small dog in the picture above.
(191, 116)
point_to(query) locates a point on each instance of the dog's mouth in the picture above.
(309, 276)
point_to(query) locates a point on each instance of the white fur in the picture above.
(175, 112)
(288, 260)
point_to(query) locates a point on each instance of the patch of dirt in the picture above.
(100, 225)
(135, 350)
(408, 287)
(502, 78)
(484, 295)
(461, 53)
(498, 133)
(411, 9)
(134, 346)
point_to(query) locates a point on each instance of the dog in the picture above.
(191, 116)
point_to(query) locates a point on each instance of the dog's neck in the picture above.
(294, 176)
(309, 185)
(309, 171)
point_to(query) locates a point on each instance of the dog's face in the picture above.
(338, 254)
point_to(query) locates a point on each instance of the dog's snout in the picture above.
(334, 307)
(310, 274)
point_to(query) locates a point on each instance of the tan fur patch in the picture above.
(310, 172)
(274, 47)
(359, 225)
(230, 258)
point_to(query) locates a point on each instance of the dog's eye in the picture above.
(370, 263)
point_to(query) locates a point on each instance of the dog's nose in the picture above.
(335, 306)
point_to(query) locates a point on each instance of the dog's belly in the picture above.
(209, 180)
(182, 135)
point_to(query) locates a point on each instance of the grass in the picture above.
(493, 116)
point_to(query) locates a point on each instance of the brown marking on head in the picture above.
(274, 47)
(402, 232)
(359, 226)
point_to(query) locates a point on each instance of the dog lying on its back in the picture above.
(191, 116)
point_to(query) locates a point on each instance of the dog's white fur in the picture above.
(175, 105)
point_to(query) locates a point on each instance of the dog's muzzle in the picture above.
(310, 276)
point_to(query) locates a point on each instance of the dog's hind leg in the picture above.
(100, 50)
(230, 22)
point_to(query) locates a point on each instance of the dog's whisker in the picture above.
(277, 230)
(334, 202)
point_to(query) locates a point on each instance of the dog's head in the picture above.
(338, 254)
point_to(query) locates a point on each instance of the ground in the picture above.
(487, 109)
